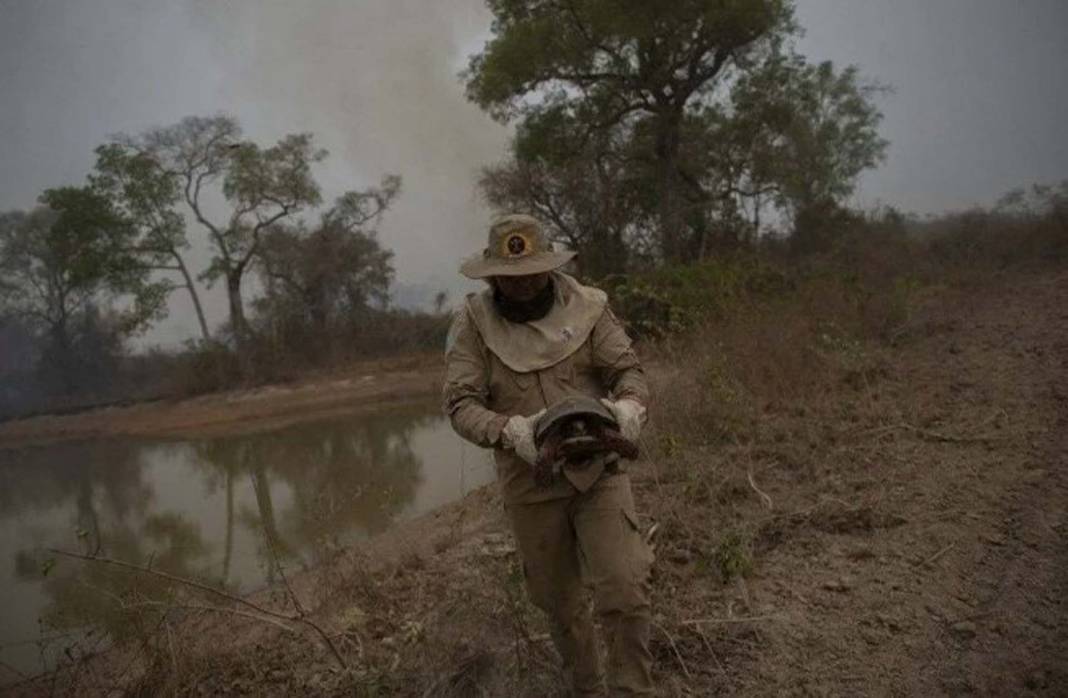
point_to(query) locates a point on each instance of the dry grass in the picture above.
(764, 394)
(772, 423)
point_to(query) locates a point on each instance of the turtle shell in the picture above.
(566, 411)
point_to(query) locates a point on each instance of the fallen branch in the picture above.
(937, 436)
(714, 621)
(708, 646)
(937, 555)
(211, 590)
(933, 435)
(12, 669)
(675, 649)
(302, 616)
(752, 483)
(211, 609)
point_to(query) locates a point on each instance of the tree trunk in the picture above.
(205, 333)
(228, 549)
(238, 323)
(62, 360)
(757, 204)
(667, 152)
(276, 547)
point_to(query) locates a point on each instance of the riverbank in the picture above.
(363, 386)
(832, 516)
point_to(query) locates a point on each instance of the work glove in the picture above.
(629, 415)
(518, 435)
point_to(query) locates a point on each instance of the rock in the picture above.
(497, 545)
(888, 622)
(993, 538)
(840, 585)
(964, 630)
(1034, 476)
(679, 557)
(1036, 681)
(497, 551)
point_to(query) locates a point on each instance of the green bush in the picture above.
(673, 298)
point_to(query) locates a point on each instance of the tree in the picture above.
(316, 278)
(606, 63)
(665, 130)
(260, 186)
(147, 195)
(808, 131)
(61, 262)
(589, 189)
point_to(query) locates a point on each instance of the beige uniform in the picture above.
(584, 525)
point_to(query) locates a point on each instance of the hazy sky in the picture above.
(979, 102)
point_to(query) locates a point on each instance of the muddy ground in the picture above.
(903, 533)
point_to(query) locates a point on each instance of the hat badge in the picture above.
(516, 245)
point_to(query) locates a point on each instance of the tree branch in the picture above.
(210, 590)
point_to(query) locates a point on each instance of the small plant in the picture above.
(670, 445)
(732, 557)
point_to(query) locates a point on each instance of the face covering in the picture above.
(525, 311)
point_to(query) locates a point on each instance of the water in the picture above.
(210, 509)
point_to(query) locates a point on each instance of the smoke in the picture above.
(376, 81)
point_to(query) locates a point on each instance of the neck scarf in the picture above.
(525, 311)
(538, 344)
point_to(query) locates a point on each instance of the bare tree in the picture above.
(333, 271)
(258, 187)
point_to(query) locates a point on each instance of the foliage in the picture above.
(147, 195)
(732, 557)
(61, 263)
(1026, 227)
(261, 186)
(672, 298)
(319, 278)
(662, 130)
(809, 130)
(591, 203)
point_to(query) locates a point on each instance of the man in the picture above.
(535, 337)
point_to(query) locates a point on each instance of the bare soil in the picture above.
(925, 554)
(902, 533)
(365, 385)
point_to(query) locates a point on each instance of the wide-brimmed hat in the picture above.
(517, 246)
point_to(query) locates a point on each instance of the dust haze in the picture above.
(977, 106)
(377, 83)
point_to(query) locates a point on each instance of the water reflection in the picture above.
(220, 510)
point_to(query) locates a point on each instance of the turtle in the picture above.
(571, 432)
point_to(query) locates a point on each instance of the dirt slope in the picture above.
(903, 533)
(933, 558)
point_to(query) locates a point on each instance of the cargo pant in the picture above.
(591, 540)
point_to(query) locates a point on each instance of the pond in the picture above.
(211, 509)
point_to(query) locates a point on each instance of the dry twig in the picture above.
(766, 499)
(937, 555)
(211, 590)
(675, 649)
(743, 619)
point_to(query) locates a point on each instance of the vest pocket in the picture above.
(564, 372)
(524, 381)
